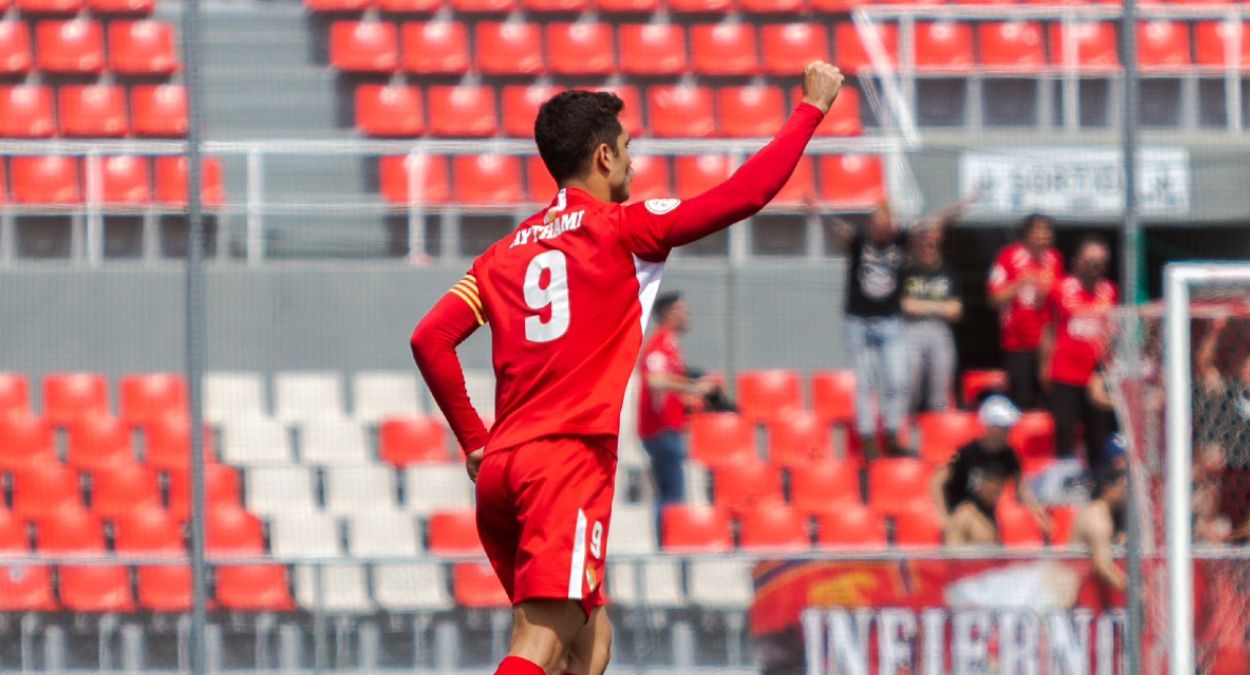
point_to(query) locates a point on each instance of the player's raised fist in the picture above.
(821, 84)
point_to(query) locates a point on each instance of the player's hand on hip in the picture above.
(473, 463)
(821, 84)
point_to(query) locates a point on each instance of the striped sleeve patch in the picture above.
(466, 289)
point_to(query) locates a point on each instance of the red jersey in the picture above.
(1023, 319)
(660, 410)
(1083, 324)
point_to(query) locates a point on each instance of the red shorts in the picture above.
(543, 509)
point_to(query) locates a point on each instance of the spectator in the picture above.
(665, 394)
(1019, 284)
(930, 305)
(1100, 525)
(1222, 421)
(966, 491)
(1072, 345)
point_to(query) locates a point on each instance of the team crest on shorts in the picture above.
(661, 206)
(591, 581)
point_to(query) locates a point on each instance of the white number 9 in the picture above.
(555, 295)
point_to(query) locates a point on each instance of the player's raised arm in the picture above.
(448, 323)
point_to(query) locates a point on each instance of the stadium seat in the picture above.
(776, 7)
(766, 395)
(750, 111)
(789, 47)
(48, 6)
(14, 389)
(1012, 46)
(411, 587)
(341, 6)
(165, 588)
(333, 441)
(798, 439)
(539, 184)
(917, 528)
(16, 57)
(852, 56)
(697, 174)
(377, 394)
(221, 488)
(627, 6)
(1094, 45)
(364, 46)
(122, 7)
(436, 487)
(978, 383)
(721, 438)
(633, 529)
(740, 486)
(93, 110)
(410, 6)
(943, 433)
(661, 584)
(232, 395)
(26, 112)
(836, 6)
(255, 441)
(850, 525)
(453, 533)
(896, 483)
(167, 443)
(943, 46)
(278, 488)
(843, 117)
(360, 488)
(721, 584)
(508, 48)
(151, 397)
(460, 111)
(800, 189)
(99, 441)
(147, 530)
(652, 178)
(69, 397)
(344, 588)
(303, 533)
(726, 48)
(26, 588)
(124, 180)
(171, 182)
(774, 526)
(158, 110)
(24, 440)
(122, 487)
(389, 110)
(254, 588)
(70, 47)
(696, 529)
(520, 106)
(1212, 44)
(852, 181)
(13, 536)
(826, 485)
(475, 586)
(431, 179)
(563, 6)
(229, 530)
(833, 395)
(652, 49)
(383, 533)
(438, 47)
(69, 531)
(142, 48)
(489, 180)
(1163, 45)
(51, 180)
(1017, 527)
(631, 115)
(580, 48)
(1034, 435)
(404, 441)
(95, 588)
(483, 6)
(700, 6)
(682, 111)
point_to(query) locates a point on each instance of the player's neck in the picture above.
(597, 189)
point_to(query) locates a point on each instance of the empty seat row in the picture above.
(124, 7)
(77, 46)
(122, 181)
(295, 489)
(93, 110)
(848, 182)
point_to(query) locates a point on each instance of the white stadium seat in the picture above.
(302, 396)
(411, 587)
(377, 534)
(721, 584)
(344, 589)
(379, 394)
(234, 395)
(633, 529)
(349, 489)
(273, 489)
(334, 441)
(308, 533)
(437, 487)
(661, 584)
(254, 442)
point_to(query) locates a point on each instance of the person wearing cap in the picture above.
(1100, 526)
(966, 490)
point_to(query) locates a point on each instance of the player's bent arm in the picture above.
(451, 321)
(1100, 530)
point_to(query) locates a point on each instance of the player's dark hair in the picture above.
(665, 302)
(1035, 219)
(571, 125)
(1092, 240)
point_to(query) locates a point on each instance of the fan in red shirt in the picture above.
(1019, 286)
(567, 296)
(1082, 304)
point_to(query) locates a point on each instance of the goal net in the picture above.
(1179, 375)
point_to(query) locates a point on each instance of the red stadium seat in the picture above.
(167, 443)
(15, 53)
(93, 110)
(836, 6)
(696, 529)
(789, 47)
(475, 586)
(652, 49)
(539, 184)
(1011, 46)
(122, 487)
(852, 56)
(742, 485)
(978, 383)
(700, 6)
(404, 441)
(750, 111)
(1094, 46)
(824, 485)
(556, 5)
(917, 528)
(1016, 526)
(798, 439)
(1062, 519)
(697, 174)
(852, 181)
(171, 181)
(398, 173)
(943, 433)
(125, 180)
(1215, 39)
(69, 397)
(628, 6)
(152, 396)
(14, 388)
(74, 46)
(508, 48)
(944, 46)
(158, 110)
(69, 531)
(13, 539)
(801, 187)
(775, 526)
(49, 180)
(26, 112)
(721, 438)
(96, 588)
(843, 116)
(153, 532)
(651, 178)
(98, 442)
(1163, 45)
(726, 48)
(833, 395)
(631, 115)
(453, 533)
(487, 179)
(1034, 435)
(483, 6)
(345, 6)
(221, 489)
(49, 6)
(520, 107)
(410, 6)
(122, 6)
(142, 48)
(775, 7)
(232, 531)
(389, 110)
(581, 49)
(765, 395)
(364, 46)
(26, 588)
(850, 525)
(25, 440)
(896, 483)
(254, 588)
(460, 111)
(438, 47)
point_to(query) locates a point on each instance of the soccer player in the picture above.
(567, 296)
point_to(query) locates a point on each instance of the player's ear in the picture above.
(602, 157)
